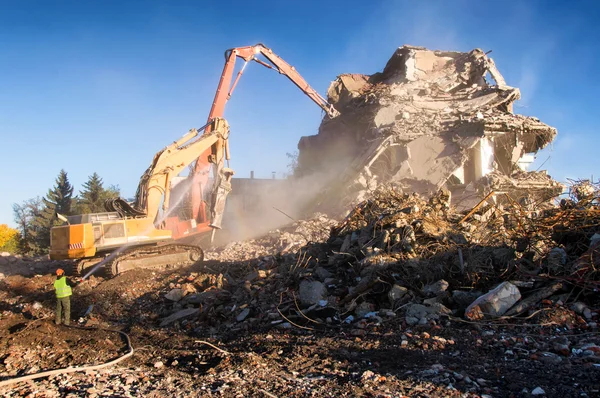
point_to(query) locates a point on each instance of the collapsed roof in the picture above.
(430, 120)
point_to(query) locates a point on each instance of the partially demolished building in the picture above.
(430, 120)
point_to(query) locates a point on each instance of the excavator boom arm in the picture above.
(250, 53)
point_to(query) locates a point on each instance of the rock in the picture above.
(4, 254)
(252, 276)
(417, 311)
(420, 314)
(2, 276)
(591, 347)
(347, 242)
(594, 240)
(433, 300)
(363, 309)
(242, 315)
(187, 288)
(158, 365)
(3, 261)
(358, 332)
(560, 345)
(174, 295)
(463, 298)
(37, 305)
(587, 313)
(557, 258)
(550, 357)
(538, 391)
(368, 374)
(396, 293)
(322, 273)
(578, 307)
(437, 309)
(179, 315)
(436, 288)
(330, 281)
(311, 292)
(494, 303)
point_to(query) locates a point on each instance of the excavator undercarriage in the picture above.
(147, 256)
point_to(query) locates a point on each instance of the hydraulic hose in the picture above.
(76, 369)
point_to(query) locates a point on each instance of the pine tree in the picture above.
(62, 195)
(57, 200)
(91, 198)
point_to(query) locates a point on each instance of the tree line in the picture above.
(35, 217)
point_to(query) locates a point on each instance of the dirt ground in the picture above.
(383, 358)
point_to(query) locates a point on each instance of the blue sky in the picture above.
(102, 86)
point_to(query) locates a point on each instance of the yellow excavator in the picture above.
(171, 216)
(127, 237)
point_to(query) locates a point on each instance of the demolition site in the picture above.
(413, 252)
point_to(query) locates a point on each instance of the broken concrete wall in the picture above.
(431, 119)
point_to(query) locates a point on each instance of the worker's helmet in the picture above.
(60, 271)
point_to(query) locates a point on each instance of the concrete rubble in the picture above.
(398, 268)
(431, 119)
(398, 255)
(24, 265)
(279, 241)
(495, 302)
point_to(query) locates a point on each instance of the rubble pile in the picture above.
(400, 256)
(287, 239)
(431, 119)
(473, 302)
(23, 265)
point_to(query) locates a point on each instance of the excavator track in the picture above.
(80, 267)
(160, 256)
(154, 257)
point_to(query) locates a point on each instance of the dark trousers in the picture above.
(63, 305)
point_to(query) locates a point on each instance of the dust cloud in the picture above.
(265, 205)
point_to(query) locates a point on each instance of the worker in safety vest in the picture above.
(62, 286)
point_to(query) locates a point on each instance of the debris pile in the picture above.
(502, 290)
(429, 120)
(285, 240)
(23, 265)
(400, 255)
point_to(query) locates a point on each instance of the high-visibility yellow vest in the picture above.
(62, 289)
